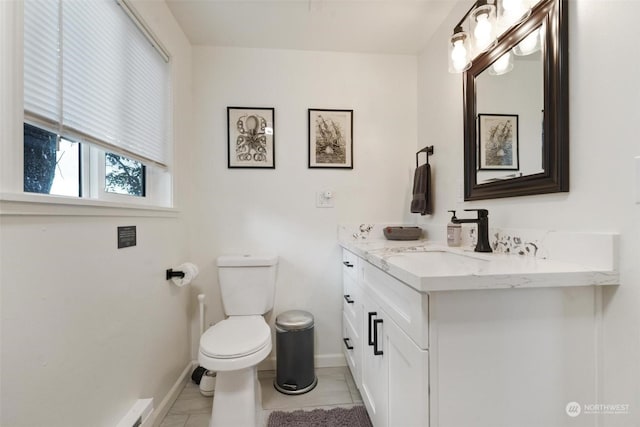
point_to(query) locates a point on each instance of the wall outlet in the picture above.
(324, 199)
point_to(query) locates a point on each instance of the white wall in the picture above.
(87, 328)
(241, 210)
(604, 116)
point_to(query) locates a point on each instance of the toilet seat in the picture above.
(234, 337)
(235, 343)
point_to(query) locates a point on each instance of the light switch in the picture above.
(324, 199)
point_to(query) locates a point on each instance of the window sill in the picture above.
(20, 204)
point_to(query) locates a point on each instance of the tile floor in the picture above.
(335, 388)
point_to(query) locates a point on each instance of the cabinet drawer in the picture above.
(350, 264)
(351, 300)
(352, 347)
(406, 306)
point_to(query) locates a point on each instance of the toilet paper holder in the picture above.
(171, 274)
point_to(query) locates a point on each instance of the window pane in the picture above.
(124, 175)
(67, 179)
(47, 170)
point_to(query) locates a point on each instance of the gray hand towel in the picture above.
(421, 202)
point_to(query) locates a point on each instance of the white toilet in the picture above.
(234, 347)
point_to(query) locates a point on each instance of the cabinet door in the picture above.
(408, 374)
(375, 379)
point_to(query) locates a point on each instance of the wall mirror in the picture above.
(516, 110)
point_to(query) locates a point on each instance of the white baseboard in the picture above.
(164, 406)
(141, 412)
(320, 361)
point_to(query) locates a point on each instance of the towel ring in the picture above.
(427, 150)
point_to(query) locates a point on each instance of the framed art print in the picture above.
(498, 142)
(250, 137)
(330, 138)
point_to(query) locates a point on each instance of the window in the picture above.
(53, 166)
(124, 176)
(50, 166)
(96, 99)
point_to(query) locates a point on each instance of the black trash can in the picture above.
(295, 370)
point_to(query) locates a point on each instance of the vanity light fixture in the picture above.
(513, 11)
(459, 51)
(484, 25)
(485, 20)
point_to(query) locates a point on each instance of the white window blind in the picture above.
(42, 78)
(109, 84)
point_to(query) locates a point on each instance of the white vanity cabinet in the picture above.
(391, 364)
(510, 339)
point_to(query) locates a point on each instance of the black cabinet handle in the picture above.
(346, 343)
(347, 263)
(376, 352)
(371, 314)
(348, 299)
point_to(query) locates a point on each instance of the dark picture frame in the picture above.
(498, 142)
(330, 138)
(251, 138)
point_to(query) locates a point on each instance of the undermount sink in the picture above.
(439, 262)
(450, 254)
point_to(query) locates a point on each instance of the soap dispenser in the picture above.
(454, 231)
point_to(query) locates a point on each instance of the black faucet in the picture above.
(483, 228)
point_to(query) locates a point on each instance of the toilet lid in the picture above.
(236, 336)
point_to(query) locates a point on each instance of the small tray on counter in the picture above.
(402, 233)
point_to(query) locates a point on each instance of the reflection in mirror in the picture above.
(510, 107)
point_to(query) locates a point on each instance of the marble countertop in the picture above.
(431, 266)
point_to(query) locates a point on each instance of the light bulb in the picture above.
(459, 60)
(529, 44)
(482, 32)
(513, 11)
(501, 66)
(512, 6)
(459, 55)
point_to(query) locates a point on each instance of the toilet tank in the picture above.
(247, 283)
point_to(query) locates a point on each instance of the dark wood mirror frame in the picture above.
(555, 178)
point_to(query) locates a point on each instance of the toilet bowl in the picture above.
(235, 346)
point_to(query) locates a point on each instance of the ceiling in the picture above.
(371, 26)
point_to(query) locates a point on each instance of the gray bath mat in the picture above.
(336, 417)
